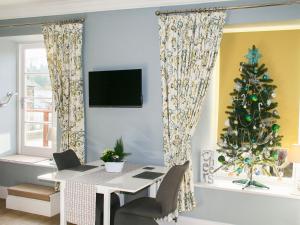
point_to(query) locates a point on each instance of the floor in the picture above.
(11, 217)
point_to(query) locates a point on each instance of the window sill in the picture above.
(29, 160)
(276, 190)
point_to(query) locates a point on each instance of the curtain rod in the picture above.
(158, 13)
(79, 20)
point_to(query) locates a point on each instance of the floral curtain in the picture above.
(189, 46)
(64, 53)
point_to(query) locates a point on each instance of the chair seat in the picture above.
(147, 207)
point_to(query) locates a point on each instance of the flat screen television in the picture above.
(117, 88)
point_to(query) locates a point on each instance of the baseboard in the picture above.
(183, 220)
(3, 192)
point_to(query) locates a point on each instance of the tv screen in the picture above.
(118, 88)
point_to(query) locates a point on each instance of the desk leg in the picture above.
(106, 208)
(63, 220)
(153, 190)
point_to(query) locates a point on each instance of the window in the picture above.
(233, 47)
(37, 119)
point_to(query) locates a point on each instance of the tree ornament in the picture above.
(236, 122)
(227, 123)
(248, 118)
(275, 113)
(257, 172)
(246, 155)
(274, 155)
(254, 146)
(266, 76)
(245, 106)
(221, 159)
(275, 127)
(253, 55)
(238, 86)
(254, 127)
(273, 95)
(247, 160)
(235, 132)
(239, 170)
(254, 98)
(243, 148)
(269, 102)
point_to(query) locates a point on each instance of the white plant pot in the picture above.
(114, 167)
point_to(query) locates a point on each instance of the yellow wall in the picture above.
(281, 54)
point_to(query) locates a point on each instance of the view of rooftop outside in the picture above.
(39, 130)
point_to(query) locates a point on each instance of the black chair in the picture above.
(144, 211)
(69, 159)
(66, 160)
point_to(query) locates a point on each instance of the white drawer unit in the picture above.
(35, 199)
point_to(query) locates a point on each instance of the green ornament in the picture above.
(275, 155)
(248, 118)
(254, 98)
(221, 159)
(239, 170)
(247, 160)
(265, 76)
(275, 127)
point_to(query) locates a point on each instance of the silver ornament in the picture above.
(235, 122)
(238, 86)
(273, 95)
(269, 102)
(227, 123)
(254, 127)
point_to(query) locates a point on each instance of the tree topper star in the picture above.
(253, 55)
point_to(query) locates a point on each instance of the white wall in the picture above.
(8, 65)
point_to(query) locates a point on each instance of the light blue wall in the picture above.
(123, 40)
(8, 66)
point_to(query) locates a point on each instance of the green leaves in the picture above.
(115, 155)
(119, 149)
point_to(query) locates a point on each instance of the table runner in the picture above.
(80, 200)
(80, 194)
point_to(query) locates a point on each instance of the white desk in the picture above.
(106, 184)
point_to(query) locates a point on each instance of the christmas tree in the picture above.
(249, 141)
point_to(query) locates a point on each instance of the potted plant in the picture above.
(114, 158)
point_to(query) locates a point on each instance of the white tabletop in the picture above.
(123, 181)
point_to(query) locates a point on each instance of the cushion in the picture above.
(32, 191)
(147, 207)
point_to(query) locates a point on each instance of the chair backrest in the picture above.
(167, 194)
(66, 160)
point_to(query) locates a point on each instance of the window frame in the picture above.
(22, 148)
